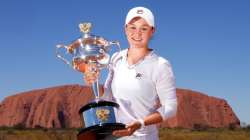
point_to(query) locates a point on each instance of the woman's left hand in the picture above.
(129, 130)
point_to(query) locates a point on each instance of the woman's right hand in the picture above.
(91, 73)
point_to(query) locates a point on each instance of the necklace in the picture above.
(139, 61)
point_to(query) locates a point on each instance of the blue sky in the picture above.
(207, 42)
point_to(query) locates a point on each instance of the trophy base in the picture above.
(98, 132)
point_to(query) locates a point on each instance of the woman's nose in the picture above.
(138, 32)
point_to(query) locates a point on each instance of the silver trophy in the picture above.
(98, 116)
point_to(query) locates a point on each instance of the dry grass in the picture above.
(210, 134)
(165, 134)
(36, 134)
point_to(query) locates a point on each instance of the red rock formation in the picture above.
(52, 107)
(57, 107)
(198, 109)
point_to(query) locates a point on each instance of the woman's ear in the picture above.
(153, 29)
(125, 29)
(152, 32)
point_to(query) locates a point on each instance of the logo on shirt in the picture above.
(138, 76)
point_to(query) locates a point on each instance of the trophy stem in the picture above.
(95, 88)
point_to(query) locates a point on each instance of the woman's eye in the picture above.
(144, 29)
(133, 28)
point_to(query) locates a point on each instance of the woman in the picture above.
(141, 82)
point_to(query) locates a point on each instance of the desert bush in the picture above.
(4, 128)
(200, 127)
(19, 126)
(248, 127)
(245, 126)
(232, 126)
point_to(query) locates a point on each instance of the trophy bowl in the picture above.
(98, 116)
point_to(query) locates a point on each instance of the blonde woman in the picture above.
(140, 81)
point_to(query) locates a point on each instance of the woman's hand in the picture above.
(129, 130)
(81, 67)
(91, 72)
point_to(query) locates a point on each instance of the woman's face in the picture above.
(138, 32)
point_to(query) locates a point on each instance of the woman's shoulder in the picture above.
(159, 60)
(162, 65)
(118, 56)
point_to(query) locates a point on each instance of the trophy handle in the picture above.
(61, 56)
(116, 43)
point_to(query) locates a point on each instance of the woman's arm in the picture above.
(165, 86)
(153, 118)
(166, 89)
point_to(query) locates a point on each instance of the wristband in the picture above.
(141, 122)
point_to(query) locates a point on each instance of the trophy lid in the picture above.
(89, 40)
(87, 49)
(98, 104)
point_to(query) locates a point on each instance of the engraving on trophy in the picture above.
(102, 114)
(85, 27)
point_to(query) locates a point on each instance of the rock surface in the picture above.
(57, 107)
(200, 110)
